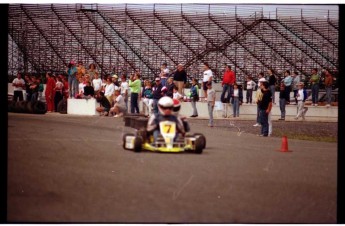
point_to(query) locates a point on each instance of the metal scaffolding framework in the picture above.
(125, 37)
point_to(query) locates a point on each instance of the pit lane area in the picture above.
(65, 168)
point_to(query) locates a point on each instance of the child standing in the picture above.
(194, 95)
(147, 98)
(250, 86)
(237, 98)
(211, 99)
(176, 94)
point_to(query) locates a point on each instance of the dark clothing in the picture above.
(266, 99)
(104, 102)
(28, 91)
(17, 94)
(89, 90)
(226, 89)
(272, 80)
(180, 76)
(170, 90)
(57, 98)
(264, 122)
(147, 92)
(134, 103)
(157, 93)
(240, 95)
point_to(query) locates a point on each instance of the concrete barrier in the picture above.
(82, 106)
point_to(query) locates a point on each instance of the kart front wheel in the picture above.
(202, 138)
(199, 145)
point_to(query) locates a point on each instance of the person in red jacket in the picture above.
(229, 79)
(49, 93)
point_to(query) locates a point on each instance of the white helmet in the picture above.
(164, 103)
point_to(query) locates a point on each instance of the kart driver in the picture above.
(165, 107)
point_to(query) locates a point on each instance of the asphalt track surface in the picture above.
(73, 169)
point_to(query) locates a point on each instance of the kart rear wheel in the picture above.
(124, 140)
(138, 142)
(199, 145)
(202, 138)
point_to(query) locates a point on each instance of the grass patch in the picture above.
(310, 137)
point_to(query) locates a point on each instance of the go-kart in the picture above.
(168, 140)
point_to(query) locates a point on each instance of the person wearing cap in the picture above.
(164, 73)
(135, 87)
(301, 97)
(157, 94)
(72, 79)
(115, 78)
(229, 79)
(258, 97)
(180, 78)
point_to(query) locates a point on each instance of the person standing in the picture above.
(211, 100)
(328, 87)
(124, 90)
(282, 101)
(157, 94)
(250, 86)
(72, 79)
(207, 77)
(228, 81)
(135, 86)
(287, 82)
(50, 91)
(28, 82)
(296, 80)
(180, 78)
(92, 71)
(96, 83)
(194, 95)
(237, 99)
(301, 97)
(265, 106)
(258, 99)
(58, 93)
(314, 80)
(164, 73)
(272, 80)
(18, 84)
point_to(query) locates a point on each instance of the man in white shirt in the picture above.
(207, 77)
(18, 84)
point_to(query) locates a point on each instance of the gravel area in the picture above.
(315, 131)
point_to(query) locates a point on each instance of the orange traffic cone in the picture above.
(284, 147)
